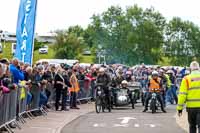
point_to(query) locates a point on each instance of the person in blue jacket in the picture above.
(17, 74)
(182, 72)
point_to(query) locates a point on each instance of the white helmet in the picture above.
(155, 73)
(101, 69)
(124, 82)
(194, 66)
(170, 72)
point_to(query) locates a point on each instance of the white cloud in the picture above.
(58, 14)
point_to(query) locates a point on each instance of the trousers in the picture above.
(194, 120)
(59, 93)
(73, 99)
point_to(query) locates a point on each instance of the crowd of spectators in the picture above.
(44, 81)
(47, 83)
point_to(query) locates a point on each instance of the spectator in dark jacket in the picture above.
(59, 86)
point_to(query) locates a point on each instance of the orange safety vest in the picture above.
(74, 83)
(154, 85)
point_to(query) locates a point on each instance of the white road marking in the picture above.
(125, 120)
(96, 125)
(136, 125)
(151, 125)
(99, 125)
(121, 125)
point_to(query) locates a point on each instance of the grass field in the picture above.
(36, 56)
(7, 53)
(87, 59)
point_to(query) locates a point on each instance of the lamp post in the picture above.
(99, 52)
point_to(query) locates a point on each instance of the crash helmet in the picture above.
(155, 73)
(124, 82)
(170, 72)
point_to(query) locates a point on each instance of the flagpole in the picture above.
(36, 1)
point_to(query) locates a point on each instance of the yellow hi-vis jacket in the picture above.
(189, 93)
(169, 83)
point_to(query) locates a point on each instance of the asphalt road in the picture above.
(125, 120)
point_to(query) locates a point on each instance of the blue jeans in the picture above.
(29, 98)
(171, 95)
(174, 94)
(168, 96)
(43, 98)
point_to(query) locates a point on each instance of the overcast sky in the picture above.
(59, 14)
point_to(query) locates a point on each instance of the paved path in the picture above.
(54, 121)
(183, 121)
(125, 120)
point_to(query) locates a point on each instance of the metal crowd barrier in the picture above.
(86, 90)
(14, 107)
(8, 106)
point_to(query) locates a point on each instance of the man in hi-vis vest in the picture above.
(190, 95)
(154, 85)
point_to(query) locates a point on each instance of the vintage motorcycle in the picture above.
(101, 103)
(154, 104)
(135, 92)
(122, 97)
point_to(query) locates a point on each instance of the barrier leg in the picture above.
(22, 119)
(17, 124)
(89, 101)
(8, 128)
(28, 115)
(79, 101)
(31, 115)
(44, 113)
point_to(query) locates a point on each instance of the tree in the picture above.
(76, 31)
(130, 36)
(147, 36)
(182, 41)
(68, 45)
(37, 44)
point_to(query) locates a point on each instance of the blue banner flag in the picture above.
(26, 30)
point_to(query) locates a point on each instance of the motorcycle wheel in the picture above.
(109, 106)
(133, 103)
(98, 105)
(153, 106)
(109, 109)
(103, 104)
(142, 99)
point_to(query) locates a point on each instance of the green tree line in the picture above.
(132, 36)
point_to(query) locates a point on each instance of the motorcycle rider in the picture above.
(125, 87)
(171, 94)
(166, 83)
(119, 77)
(104, 80)
(128, 76)
(154, 84)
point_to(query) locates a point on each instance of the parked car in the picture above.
(87, 52)
(43, 50)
